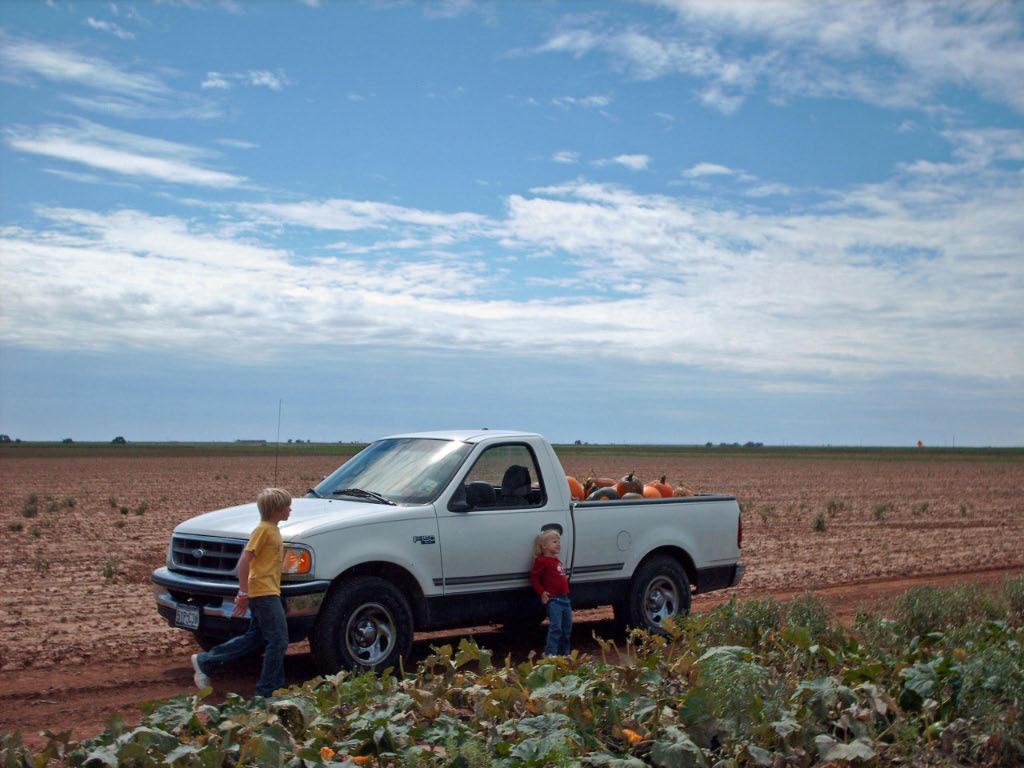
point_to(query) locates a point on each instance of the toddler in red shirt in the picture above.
(549, 580)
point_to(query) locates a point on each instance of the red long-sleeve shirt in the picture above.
(548, 575)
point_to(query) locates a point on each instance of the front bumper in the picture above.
(216, 601)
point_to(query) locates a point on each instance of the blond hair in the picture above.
(543, 536)
(272, 500)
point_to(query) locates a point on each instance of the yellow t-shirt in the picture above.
(265, 567)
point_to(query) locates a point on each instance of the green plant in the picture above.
(120, 523)
(52, 506)
(141, 509)
(36, 531)
(808, 610)
(835, 506)
(963, 510)
(112, 501)
(926, 608)
(109, 568)
(1013, 594)
(125, 510)
(876, 695)
(767, 512)
(16, 526)
(921, 508)
(69, 502)
(881, 510)
(819, 522)
(40, 564)
(31, 506)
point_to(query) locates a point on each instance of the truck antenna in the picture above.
(277, 444)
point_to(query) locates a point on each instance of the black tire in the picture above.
(207, 641)
(364, 624)
(659, 588)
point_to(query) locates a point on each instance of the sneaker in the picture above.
(200, 677)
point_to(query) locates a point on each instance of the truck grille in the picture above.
(213, 558)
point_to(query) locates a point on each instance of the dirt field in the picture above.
(80, 638)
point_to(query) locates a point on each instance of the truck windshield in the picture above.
(405, 470)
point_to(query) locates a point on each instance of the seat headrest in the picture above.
(516, 480)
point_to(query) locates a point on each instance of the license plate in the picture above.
(187, 617)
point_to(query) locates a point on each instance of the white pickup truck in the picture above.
(435, 530)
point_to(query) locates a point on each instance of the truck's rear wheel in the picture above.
(365, 624)
(659, 589)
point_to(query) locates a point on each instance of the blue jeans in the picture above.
(268, 632)
(560, 617)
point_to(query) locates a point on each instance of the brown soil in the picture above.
(80, 639)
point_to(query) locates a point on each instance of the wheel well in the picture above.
(681, 556)
(397, 575)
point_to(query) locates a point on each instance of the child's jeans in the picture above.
(268, 632)
(560, 617)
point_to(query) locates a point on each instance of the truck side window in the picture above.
(512, 471)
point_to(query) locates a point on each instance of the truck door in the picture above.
(489, 547)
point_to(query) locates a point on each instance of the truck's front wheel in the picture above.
(659, 589)
(365, 623)
(207, 641)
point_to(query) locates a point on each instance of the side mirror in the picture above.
(458, 501)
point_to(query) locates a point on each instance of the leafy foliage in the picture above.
(745, 684)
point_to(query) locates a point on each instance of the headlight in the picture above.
(298, 561)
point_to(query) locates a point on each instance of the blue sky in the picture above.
(665, 221)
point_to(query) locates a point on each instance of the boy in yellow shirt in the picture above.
(259, 590)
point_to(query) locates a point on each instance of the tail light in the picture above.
(739, 532)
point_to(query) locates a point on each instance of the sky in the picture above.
(660, 221)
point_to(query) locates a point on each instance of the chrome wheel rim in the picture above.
(661, 600)
(370, 634)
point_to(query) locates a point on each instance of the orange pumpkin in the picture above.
(663, 487)
(575, 489)
(629, 484)
(651, 492)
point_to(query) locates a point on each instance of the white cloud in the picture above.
(586, 102)
(275, 81)
(109, 27)
(919, 273)
(840, 293)
(633, 162)
(349, 215)
(237, 143)
(768, 190)
(103, 281)
(110, 89)
(119, 152)
(907, 50)
(565, 157)
(215, 80)
(707, 169)
(259, 78)
(65, 65)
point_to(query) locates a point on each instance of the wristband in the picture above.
(242, 594)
